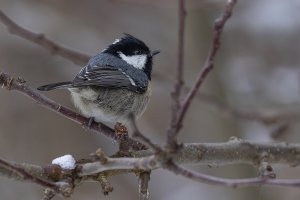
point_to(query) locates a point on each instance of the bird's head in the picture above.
(133, 51)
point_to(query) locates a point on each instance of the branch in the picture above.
(19, 85)
(144, 178)
(35, 174)
(143, 139)
(26, 172)
(204, 178)
(209, 63)
(208, 66)
(235, 151)
(43, 41)
(232, 152)
(179, 82)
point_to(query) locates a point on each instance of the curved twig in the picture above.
(42, 40)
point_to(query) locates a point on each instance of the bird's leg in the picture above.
(89, 123)
(121, 136)
(91, 120)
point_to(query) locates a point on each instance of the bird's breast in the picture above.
(110, 105)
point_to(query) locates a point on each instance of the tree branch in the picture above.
(143, 139)
(144, 178)
(213, 180)
(171, 140)
(235, 151)
(232, 152)
(26, 172)
(209, 63)
(43, 41)
(208, 66)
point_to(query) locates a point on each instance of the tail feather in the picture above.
(53, 86)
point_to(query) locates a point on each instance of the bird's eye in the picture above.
(137, 52)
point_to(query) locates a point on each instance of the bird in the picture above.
(115, 85)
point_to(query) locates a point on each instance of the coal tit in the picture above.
(114, 84)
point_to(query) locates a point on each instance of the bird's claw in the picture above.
(121, 131)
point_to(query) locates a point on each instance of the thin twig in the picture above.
(19, 85)
(42, 40)
(144, 178)
(209, 63)
(141, 138)
(204, 178)
(179, 82)
(105, 184)
(27, 176)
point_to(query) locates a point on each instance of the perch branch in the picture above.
(232, 152)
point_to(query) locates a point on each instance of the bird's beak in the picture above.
(153, 53)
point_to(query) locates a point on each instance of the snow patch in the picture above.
(65, 162)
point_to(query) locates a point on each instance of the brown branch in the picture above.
(19, 85)
(209, 63)
(231, 152)
(204, 178)
(24, 175)
(208, 66)
(144, 178)
(141, 138)
(43, 41)
(179, 82)
(105, 184)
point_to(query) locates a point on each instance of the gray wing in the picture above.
(111, 77)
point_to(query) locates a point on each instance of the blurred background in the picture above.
(257, 69)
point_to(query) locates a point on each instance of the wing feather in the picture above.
(111, 77)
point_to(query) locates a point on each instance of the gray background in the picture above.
(257, 68)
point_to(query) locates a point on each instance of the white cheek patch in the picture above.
(138, 61)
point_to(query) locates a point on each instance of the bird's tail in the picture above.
(53, 86)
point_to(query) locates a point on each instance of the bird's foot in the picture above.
(121, 131)
(122, 137)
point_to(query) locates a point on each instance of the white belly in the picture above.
(112, 107)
